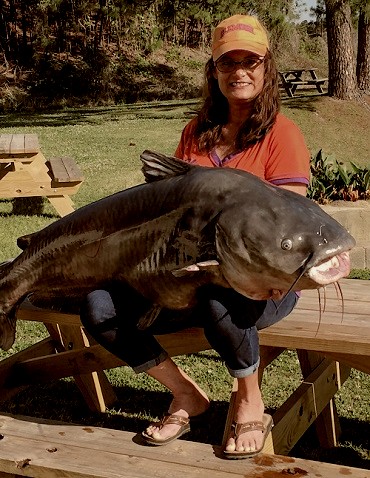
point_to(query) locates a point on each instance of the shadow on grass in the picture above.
(354, 445)
(167, 109)
(134, 409)
(302, 101)
(154, 110)
(26, 206)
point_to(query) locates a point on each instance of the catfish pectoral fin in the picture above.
(7, 331)
(208, 266)
(149, 317)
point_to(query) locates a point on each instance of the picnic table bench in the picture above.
(328, 344)
(45, 449)
(301, 77)
(25, 172)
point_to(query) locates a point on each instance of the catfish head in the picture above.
(281, 241)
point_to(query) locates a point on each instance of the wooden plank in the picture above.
(358, 362)
(74, 172)
(89, 359)
(67, 450)
(62, 203)
(327, 423)
(330, 304)
(27, 311)
(86, 360)
(31, 143)
(302, 408)
(317, 81)
(41, 460)
(328, 318)
(296, 82)
(58, 171)
(65, 170)
(5, 141)
(23, 187)
(94, 386)
(295, 334)
(7, 385)
(17, 144)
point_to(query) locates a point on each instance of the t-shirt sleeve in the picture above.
(186, 145)
(289, 158)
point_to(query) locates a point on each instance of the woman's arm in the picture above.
(298, 188)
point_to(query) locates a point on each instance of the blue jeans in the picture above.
(230, 322)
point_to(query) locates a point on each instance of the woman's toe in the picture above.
(230, 446)
(156, 435)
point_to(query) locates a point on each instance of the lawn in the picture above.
(106, 143)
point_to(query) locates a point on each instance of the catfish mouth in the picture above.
(330, 270)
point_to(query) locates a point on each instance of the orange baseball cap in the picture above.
(239, 32)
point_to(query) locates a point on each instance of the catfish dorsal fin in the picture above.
(158, 166)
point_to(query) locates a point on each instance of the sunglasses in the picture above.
(227, 65)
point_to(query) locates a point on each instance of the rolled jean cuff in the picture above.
(244, 372)
(151, 363)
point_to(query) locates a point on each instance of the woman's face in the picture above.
(244, 83)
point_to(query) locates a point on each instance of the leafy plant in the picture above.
(332, 180)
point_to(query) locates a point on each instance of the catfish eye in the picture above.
(286, 244)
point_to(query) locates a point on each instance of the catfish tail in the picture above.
(7, 329)
(7, 321)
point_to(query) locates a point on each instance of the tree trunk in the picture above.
(4, 33)
(342, 77)
(363, 53)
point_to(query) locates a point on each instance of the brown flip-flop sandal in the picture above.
(264, 426)
(184, 424)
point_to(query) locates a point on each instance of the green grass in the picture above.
(106, 143)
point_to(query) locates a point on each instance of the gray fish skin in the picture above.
(187, 227)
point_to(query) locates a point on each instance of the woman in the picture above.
(239, 126)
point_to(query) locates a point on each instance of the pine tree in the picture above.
(342, 75)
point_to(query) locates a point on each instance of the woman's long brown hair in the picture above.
(214, 112)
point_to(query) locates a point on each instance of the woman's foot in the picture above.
(185, 406)
(189, 400)
(249, 408)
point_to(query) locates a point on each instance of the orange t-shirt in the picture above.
(280, 157)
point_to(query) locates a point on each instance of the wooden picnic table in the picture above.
(25, 172)
(328, 344)
(301, 77)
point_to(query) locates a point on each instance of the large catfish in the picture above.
(187, 227)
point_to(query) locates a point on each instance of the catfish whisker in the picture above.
(340, 296)
(303, 270)
(321, 309)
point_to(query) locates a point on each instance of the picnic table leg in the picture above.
(289, 90)
(95, 387)
(63, 204)
(327, 423)
(318, 85)
(10, 380)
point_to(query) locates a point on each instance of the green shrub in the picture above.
(332, 180)
(363, 274)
